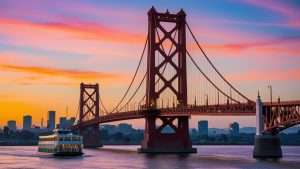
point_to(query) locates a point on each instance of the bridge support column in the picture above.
(157, 142)
(90, 136)
(265, 146)
(89, 109)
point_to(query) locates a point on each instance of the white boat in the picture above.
(61, 143)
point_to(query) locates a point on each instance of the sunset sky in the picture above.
(47, 48)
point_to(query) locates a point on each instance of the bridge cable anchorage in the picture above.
(133, 93)
(141, 58)
(163, 71)
(213, 65)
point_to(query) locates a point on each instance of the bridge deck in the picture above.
(209, 110)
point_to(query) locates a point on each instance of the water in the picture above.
(113, 157)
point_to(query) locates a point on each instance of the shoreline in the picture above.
(36, 144)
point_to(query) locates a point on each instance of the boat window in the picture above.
(78, 138)
(74, 138)
(67, 138)
(61, 139)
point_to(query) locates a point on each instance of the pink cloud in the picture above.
(263, 75)
(82, 30)
(79, 39)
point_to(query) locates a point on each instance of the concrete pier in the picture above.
(267, 146)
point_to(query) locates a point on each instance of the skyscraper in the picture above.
(203, 127)
(63, 122)
(234, 128)
(51, 120)
(27, 122)
(70, 122)
(11, 124)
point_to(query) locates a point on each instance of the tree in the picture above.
(118, 136)
(224, 137)
(25, 135)
(104, 135)
(6, 131)
(127, 139)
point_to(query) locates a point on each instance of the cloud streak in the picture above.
(73, 74)
(263, 75)
(81, 30)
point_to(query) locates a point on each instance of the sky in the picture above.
(47, 48)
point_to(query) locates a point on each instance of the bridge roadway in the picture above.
(205, 110)
(242, 109)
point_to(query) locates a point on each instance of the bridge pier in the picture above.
(265, 146)
(90, 136)
(157, 142)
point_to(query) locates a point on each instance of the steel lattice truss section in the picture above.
(89, 102)
(155, 46)
(279, 117)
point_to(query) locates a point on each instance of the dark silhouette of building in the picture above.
(27, 122)
(234, 128)
(51, 120)
(125, 128)
(203, 128)
(11, 124)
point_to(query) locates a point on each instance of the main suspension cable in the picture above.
(136, 71)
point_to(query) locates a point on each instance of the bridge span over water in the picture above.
(176, 80)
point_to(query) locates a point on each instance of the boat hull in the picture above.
(68, 154)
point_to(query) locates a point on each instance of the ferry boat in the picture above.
(61, 143)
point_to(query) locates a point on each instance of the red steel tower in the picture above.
(155, 140)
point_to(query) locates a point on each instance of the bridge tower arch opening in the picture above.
(164, 28)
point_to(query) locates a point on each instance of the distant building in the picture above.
(27, 122)
(234, 128)
(203, 128)
(63, 122)
(66, 123)
(125, 128)
(110, 128)
(71, 122)
(193, 132)
(11, 124)
(51, 120)
(38, 130)
(167, 129)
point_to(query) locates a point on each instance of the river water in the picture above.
(113, 157)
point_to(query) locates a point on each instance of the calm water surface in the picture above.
(126, 157)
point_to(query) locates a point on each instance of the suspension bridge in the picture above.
(174, 80)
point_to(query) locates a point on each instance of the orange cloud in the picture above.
(83, 30)
(262, 75)
(74, 74)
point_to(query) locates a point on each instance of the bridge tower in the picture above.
(155, 141)
(89, 109)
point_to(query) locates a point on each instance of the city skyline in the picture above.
(58, 49)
